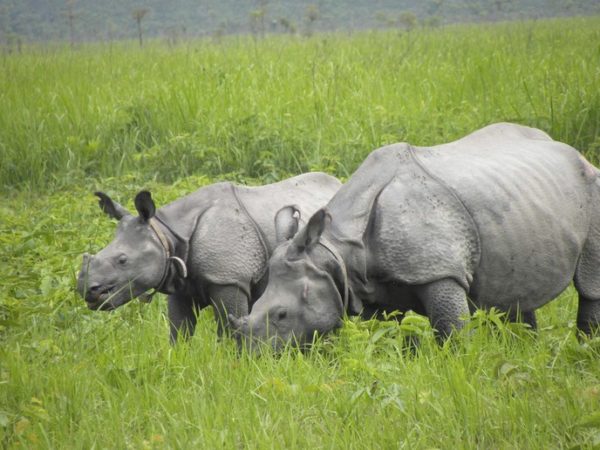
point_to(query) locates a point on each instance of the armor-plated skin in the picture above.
(208, 248)
(505, 217)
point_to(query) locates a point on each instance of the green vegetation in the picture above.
(173, 119)
(285, 105)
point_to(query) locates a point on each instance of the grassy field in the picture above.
(285, 105)
(173, 119)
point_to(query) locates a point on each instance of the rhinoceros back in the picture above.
(532, 201)
(230, 229)
(308, 192)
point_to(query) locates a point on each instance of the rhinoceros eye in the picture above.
(122, 259)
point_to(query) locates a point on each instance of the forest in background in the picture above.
(23, 21)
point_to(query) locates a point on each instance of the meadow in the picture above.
(171, 119)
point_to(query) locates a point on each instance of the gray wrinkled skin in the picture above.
(505, 217)
(222, 235)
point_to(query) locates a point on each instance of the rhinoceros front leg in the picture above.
(445, 303)
(227, 300)
(527, 317)
(182, 316)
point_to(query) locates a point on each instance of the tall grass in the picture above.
(73, 378)
(172, 119)
(283, 104)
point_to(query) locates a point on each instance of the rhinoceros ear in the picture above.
(308, 237)
(286, 223)
(110, 208)
(145, 205)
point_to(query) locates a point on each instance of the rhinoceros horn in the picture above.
(235, 323)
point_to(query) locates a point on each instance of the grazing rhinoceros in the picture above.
(209, 247)
(505, 217)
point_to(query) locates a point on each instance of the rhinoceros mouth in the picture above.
(110, 298)
(101, 300)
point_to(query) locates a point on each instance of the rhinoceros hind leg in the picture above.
(588, 315)
(182, 316)
(587, 283)
(446, 305)
(227, 300)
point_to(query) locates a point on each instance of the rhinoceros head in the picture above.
(133, 263)
(302, 297)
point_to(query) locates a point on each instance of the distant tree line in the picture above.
(91, 20)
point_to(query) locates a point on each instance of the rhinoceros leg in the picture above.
(227, 300)
(527, 317)
(587, 283)
(182, 316)
(445, 302)
(588, 315)
(530, 319)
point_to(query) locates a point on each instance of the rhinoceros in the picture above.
(505, 217)
(210, 247)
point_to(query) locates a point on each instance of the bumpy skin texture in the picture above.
(225, 235)
(505, 217)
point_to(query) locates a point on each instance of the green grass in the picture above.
(284, 105)
(171, 120)
(73, 378)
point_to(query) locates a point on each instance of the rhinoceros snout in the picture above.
(96, 297)
(95, 290)
(89, 290)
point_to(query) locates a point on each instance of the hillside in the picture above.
(91, 20)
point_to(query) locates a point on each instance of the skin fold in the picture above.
(504, 217)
